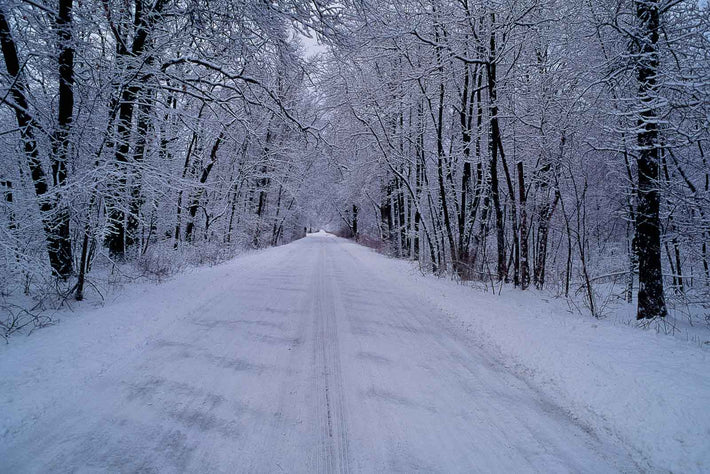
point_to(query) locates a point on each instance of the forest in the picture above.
(557, 145)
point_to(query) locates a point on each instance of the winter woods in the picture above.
(548, 143)
(543, 143)
(134, 126)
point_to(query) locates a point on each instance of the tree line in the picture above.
(543, 143)
(533, 142)
(130, 125)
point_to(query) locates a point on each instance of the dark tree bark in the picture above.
(495, 196)
(417, 214)
(86, 241)
(185, 168)
(8, 198)
(482, 187)
(145, 17)
(467, 208)
(262, 185)
(386, 215)
(55, 217)
(543, 231)
(143, 127)
(195, 204)
(651, 300)
(524, 266)
(440, 163)
(65, 106)
(402, 218)
(515, 252)
(493, 139)
(545, 178)
(275, 232)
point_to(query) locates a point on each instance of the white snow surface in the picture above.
(323, 356)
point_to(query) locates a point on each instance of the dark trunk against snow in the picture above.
(494, 135)
(119, 238)
(55, 217)
(524, 266)
(651, 300)
(195, 204)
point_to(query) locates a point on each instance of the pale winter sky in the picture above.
(311, 45)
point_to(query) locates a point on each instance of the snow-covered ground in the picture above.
(324, 356)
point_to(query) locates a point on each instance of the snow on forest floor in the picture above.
(322, 355)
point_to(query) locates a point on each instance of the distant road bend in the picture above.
(303, 358)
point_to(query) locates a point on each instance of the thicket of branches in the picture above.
(537, 142)
(133, 127)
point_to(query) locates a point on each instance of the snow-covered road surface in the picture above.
(301, 358)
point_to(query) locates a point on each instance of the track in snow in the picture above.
(302, 358)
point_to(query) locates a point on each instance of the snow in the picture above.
(322, 355)
(650, 390)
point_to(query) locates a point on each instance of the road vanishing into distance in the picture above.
(303, 358)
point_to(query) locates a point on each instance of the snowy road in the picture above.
(303, 358)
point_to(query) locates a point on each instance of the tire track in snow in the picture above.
(330, 403)
(286, 414)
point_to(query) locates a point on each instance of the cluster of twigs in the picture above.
(15, 318)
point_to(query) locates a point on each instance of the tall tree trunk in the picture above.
(65, 111)
(415, 229)
(55, 217)
(141, 145)
(515, 253)
(494, 135)
(482, 194)
(185, 168)
(87, 240)
(386, 215)
(354, 221)
(524, 266)
(195, 204)
(651, 300)
(543, 232)
(705, 236)
(465, 119)
(118, 238)
(262, 185)
(440, 162)
(275, 229)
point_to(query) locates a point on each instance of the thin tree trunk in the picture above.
(440, 163)
(185, 168)
(194, 206)
(494, 135)
(524, 267)
(84, 260)
(274, 229)
(135, 192)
